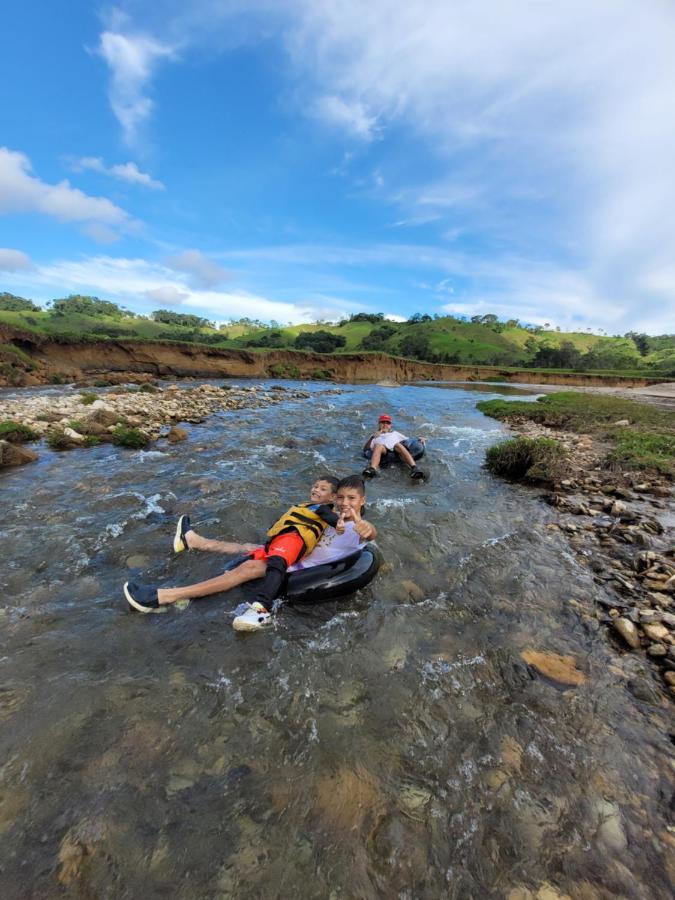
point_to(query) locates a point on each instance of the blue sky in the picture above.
(299, 160)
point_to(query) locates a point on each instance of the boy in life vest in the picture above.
(387, 441)
(291, 537)
(333, 544)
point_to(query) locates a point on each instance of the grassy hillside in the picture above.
(484, 341)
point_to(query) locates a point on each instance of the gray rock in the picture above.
(643, 689)
(15, 454)
(610, 836)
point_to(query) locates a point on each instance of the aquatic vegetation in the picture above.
(57, 439)
(534, 460)
(17, 433)
(133, 438)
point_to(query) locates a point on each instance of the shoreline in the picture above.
(620, 526)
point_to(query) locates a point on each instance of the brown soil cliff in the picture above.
(41, 359)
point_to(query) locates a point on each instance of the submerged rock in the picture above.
(176, 435)
(558, 668)
(610, 835)
(15, 454)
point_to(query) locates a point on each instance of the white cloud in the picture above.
(556, 121)
(14, 260)
(136, 283)
(21, 191)
(203, 271)
(132, 60)
(128, 172)
(167, 295)
(349, 115)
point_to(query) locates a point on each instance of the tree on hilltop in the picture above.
(184, 320)
(12, 303)
(84, 305)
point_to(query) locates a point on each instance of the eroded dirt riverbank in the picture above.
(39, 360)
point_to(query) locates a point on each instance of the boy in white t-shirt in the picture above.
(387, 440)
(350, 533)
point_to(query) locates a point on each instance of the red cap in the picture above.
(384, 418)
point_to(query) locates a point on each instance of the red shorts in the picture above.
(289, 546)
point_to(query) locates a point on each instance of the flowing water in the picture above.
(390, 745)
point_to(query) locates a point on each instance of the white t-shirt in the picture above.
(332, 546)
(389, 439)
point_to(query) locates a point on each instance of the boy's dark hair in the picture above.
(353, 481)
(331, 479)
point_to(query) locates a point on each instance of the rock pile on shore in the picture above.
(618, 524)
(76, 419)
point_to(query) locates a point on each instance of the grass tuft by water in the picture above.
(133, 438)
(17, 433)
(643, 435)
(533, 460)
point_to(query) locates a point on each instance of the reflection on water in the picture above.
(391, 745)
(502, 388)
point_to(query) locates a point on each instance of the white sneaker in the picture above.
(255, 617)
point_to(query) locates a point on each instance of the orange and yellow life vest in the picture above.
(309, 525)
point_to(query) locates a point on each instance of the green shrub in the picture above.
(102, 382)
(17, 433)
(123, 436)
(533, 460)
(284, 370)
(57, 379)
(77, 425)
(58, 440)
(321, 375)
(148, 388)
(88, 397)
(91, 440)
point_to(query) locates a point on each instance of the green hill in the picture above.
(483, 340)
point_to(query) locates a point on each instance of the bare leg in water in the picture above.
(249, 570)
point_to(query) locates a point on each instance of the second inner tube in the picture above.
(414, 446)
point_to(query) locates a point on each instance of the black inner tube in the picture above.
(415, 447)
(328, 581)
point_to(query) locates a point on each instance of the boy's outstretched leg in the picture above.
(186, 538)
(147, 598)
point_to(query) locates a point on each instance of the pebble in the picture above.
(657, 650)
(655, 632)
(628, 632)
(413, 590)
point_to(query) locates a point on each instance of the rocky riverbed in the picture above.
(78, 419)
(620, 524)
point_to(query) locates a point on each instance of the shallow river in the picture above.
(391, 745)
